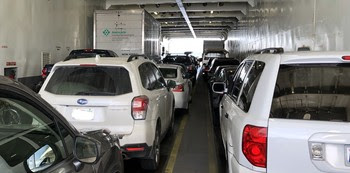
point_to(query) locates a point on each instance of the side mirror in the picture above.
(87, 150)
(219, 88)
(171, 84)
(43, 158)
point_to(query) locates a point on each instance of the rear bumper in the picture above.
(143, 133)
(146, 152)
(235, 167)
(181, 100)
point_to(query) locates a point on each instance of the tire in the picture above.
(152, 163)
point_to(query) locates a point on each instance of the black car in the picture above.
(187, 61)
(225, 75)
(34, 137)
(220, 62)
(74, 54)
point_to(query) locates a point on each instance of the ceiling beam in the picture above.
(214, 19)
(191, 15)
(109, 3)
(185, 16)
(152, 8)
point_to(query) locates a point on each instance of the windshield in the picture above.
(169, 72)
(95, 81)
(312, 92)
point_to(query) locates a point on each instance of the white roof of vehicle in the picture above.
(168, 66)
(304, 57)
(100, 61)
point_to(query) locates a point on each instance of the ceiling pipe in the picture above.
(184, 14)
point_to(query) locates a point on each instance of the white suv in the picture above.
(288, 113)
(128, 96)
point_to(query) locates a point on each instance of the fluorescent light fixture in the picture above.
(211, 12)
(156, 13)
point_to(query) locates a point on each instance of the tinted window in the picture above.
(312, 92)
(144, 76)
(160, 82)
(250, 83)
(178, 59)
(169, 72)
(239, 78)
(30, 140)
(148, 78)
(89, 81)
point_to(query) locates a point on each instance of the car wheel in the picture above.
(153, 162)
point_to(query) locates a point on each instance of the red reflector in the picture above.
(346, 58)
(179, 88)
(254, 145)
(133, 149)
(88, 65)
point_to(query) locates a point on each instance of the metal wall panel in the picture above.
(318, 24)
(29, 27)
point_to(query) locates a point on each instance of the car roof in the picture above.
(168, 66)
(304, 57)
(122, 60)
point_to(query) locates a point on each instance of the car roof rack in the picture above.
(136, 56)
(273, 50)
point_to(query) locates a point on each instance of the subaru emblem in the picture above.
(82, 101)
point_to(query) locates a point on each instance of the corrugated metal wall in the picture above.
(29, 27)
(319, 24)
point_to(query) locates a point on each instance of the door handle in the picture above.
(226, 115)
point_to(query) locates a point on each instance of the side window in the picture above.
(239, 78)
(144, 76)
(30, 138)
(249, 86)
(160, 83)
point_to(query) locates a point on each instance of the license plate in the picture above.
(347, 155)
(84, 114)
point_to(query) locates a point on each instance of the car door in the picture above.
(32, 138)
(163, 94)
(230, 111)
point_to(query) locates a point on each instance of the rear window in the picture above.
(312, 92)
(169, 72)
(177, 59)
(96, 81)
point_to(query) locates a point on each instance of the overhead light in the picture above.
(209, 21)
(166, 22)
(156, 13)
(211, 12)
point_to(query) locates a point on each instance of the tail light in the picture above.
(254, 145)
(139, 107)
(179, 88)
(346, 58)
(44, 73)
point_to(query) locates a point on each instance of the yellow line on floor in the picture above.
(212, 160)
(173, 155)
